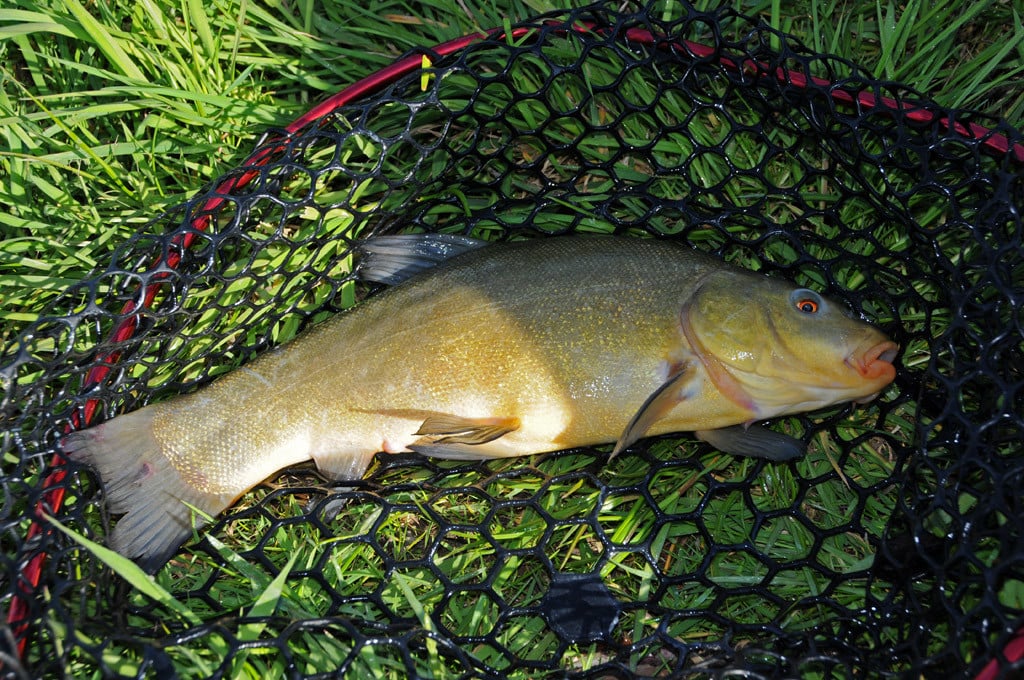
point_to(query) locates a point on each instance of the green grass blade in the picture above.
(201, 25)
(267, 602)
(107, 44)
(130, 572)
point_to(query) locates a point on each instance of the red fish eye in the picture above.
(807, 305)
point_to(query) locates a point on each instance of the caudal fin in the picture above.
(141, 482)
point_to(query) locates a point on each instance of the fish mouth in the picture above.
(874, 364)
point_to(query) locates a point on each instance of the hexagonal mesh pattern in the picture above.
(893, 547)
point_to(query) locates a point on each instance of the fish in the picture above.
(482, 351)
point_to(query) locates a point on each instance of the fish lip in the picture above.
(875, 363)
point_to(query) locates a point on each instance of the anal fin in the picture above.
(342, 466)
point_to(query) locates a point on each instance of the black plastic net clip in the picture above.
(580, 608)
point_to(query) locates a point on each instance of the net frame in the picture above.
(867, 101)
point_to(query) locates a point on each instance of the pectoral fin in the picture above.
(448, 436)
(754, 442)
(662, 400)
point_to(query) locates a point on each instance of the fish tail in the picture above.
(141, 482)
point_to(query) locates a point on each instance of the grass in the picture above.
(110, 121)
(111, 114)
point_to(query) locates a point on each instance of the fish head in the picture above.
(777, 349)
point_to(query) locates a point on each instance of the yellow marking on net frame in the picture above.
(425, 63)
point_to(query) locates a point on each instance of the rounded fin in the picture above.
(754, 441)
(669, 395)
(393, 259)
(458, 438)
(159, 506)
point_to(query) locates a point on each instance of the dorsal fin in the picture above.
(393, 259)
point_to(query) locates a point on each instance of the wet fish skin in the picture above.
(507, 350)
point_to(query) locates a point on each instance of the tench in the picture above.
(503, 350)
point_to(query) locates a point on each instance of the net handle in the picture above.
(53, 487)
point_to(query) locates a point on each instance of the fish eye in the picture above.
(806, 301)
(807, 306)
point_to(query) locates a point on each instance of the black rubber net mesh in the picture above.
(893, 547)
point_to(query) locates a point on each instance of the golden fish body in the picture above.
(503, 351)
